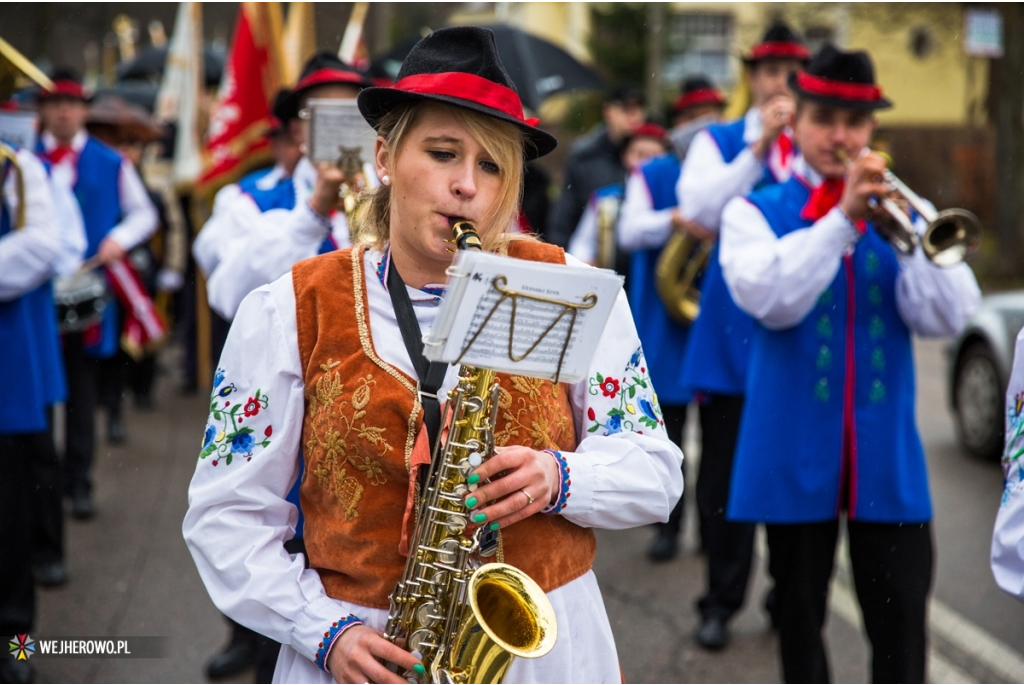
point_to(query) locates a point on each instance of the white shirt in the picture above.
(641, 226)
(707, 183)
(28, 255)
(139, 219)
(778, 280)
(73, 240)
(257, 249)
(1008, 536)
(238, 519)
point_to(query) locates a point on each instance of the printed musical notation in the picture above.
(521, 317)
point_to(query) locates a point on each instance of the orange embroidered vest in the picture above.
(362, 418)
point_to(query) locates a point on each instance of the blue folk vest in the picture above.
(845, 374)
(716, 359)
(31, 364)
(664, 341)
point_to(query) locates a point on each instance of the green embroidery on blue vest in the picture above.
(872, 263)
(874, 294)
(825, 326)
(878, 359)
(877, 393)
(821, 390)
(825, 299)
(877, 329)
(824, 358)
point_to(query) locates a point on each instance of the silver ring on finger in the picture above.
(531, 500)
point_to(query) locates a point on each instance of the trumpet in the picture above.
(952, 235)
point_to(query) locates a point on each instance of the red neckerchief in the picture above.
(58, 153)
(824, 198)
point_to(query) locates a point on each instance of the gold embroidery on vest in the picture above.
(541, 409)
(330, 446)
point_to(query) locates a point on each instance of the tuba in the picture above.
(468, 619)
(17, 71)
(676, 274)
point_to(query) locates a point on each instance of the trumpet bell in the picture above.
(952, 237)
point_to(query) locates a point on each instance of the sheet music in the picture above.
(474, 307)
(336, 124)
(18, 128)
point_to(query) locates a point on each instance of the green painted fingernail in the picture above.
(480, 518)
(471, 502)
(473, 479)
(419, 668)
(495, 525)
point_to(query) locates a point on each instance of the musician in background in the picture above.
(118, 215)
(316, 365)
(646, 142)
(275, 227)
(650, 214)
(33, 381)
(595, 160)
(828, 427)
(727, 160)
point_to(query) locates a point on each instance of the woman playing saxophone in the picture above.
(318, 389)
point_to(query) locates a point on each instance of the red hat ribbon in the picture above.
(701, 96)
(780, 50)
(844, 90)
(470, 87)
(321, 76)
(64, 87)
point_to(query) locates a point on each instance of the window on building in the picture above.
(699, 44)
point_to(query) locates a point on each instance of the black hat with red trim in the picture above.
(697, 90)
(66, 85)
(322, 69)
(840, 79)
(779, 42)
(458, 66)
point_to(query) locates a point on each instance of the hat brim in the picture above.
(841, 103)
(376, 102)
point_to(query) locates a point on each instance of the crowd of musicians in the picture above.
(795, 353)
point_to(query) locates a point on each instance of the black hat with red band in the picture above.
(779, 42)
(322, 69)
(458, 66)
(66, 85)
(696, 91)
(840, 79)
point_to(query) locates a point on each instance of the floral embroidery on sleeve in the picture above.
(629, 397)
(226, 437)
(1013, 469)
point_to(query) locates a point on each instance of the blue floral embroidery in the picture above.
(634, 404)
(1013, 469)
(225, 437)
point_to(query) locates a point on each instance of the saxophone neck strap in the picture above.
(430, 374)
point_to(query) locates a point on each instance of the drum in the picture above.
(81, 300)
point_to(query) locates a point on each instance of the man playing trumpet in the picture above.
(828, 427)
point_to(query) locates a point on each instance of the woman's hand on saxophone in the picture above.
(357, 655)
(522, 482)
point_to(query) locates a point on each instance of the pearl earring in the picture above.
(385, 180)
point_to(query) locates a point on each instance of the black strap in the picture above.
(431, 374)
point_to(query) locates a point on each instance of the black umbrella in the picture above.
(149, 64)
(538, 68)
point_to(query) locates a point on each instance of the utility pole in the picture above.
(652, 78)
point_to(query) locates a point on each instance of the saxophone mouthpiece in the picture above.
(465, 235)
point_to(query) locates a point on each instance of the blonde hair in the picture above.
(502, 141)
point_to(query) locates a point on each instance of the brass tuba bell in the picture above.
(679, 266)
(17, 71)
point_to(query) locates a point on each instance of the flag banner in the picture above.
(181, 92)
(299, 43)
(236, 141)
(143, 328)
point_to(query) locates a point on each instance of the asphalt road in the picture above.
(132, 575)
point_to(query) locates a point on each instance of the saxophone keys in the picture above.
(456, 524)
(475, 459)
(427, 614)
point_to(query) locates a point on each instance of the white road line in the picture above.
(844, 605)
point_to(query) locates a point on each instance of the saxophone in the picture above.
(467, 619)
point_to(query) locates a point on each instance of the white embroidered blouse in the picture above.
(625, 473)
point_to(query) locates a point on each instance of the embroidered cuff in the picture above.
(335, 631)
(563, 485)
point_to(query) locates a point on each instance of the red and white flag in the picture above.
(143, 328)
